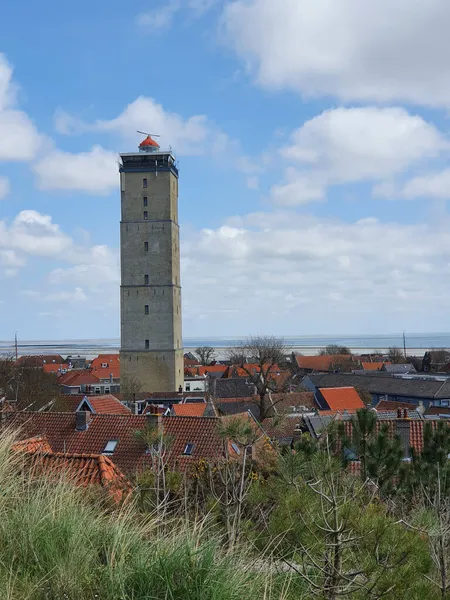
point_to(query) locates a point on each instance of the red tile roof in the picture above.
(78, 377)
(191, 409)
(55, 368)
(112, 362)
(130, 453)
(106, 404)
(342, 398)
(34, 444)
(373, 366)
(82, 469)
(318, 363)
(200, 371)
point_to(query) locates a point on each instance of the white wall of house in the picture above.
(194, 384)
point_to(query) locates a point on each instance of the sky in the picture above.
(313, 144)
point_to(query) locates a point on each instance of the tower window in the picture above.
(145, 215)
(146, 279)
(144, 182)
(147, 344)
(146, 309)
(145, 201)
(146, 246)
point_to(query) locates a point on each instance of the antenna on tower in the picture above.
(150, 134)
(15, 346)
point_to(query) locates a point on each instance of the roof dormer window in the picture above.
(188, 449)
(110, 446)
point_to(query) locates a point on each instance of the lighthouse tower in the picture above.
(151, 343)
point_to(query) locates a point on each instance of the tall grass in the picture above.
(56, 544)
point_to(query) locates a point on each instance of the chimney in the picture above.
(110, 377)
(399, 413)
(82, 420)
(180, 389)
(155, 420)
(421, 408)
(405, 413)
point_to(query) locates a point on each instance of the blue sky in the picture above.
(313, 145)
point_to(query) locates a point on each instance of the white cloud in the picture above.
(298, 188)
(4, 187)
(189, 136)
(93, 172)
(76, 295)
(432, 185)
(9, 258)
(32, 233)
(19, 138)
(161, 18)
(96, 267)
(364, 143)
(353, 49)
(284, 269)
(354, 144)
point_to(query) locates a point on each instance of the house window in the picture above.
(110, 446)
(145, 201)
(147, 344)
(146, 279)
(146, 309)
(188, 449)
(188, 387)
(144, 182)
(104, 365)
(146, 246)
(235, 447)
(145, 215)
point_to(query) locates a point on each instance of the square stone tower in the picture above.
(151, 344)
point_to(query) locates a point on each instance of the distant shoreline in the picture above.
(221, 351)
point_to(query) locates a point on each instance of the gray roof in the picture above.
(408, 368)
(235, 408)
(392, 386)
(317, 424)
(236, 387)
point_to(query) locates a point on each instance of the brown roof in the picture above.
(389, 405)
(39, 360)
(319, 363)
(106, 404)
(437, 410)
(284, 429)
(342, 398)
(130, 453)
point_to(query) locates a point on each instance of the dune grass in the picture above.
(56, 544)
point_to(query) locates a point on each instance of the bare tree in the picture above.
(432, 521)
(156, 490)
(395, 356)
(205, 354)
(334, 349)
(260, 359)
(229, 482)
(129, 387)
(343, 363)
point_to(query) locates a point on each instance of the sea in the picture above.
(416, 343)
